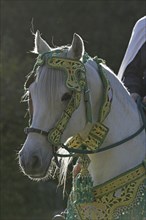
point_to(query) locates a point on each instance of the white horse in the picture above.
(50, 96)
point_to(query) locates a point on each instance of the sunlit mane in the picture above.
(120, 91)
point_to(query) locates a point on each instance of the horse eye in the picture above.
(67, 96)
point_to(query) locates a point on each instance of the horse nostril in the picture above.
(35, 162)
(29, 162)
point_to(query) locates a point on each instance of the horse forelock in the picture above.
(48, 84)
(48, 79)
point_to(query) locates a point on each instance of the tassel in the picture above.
(82, 183)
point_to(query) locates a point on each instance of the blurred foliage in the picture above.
(105, 27)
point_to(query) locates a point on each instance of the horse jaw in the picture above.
(76, 49)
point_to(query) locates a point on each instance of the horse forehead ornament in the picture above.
(116, 198)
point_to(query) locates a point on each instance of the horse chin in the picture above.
(40, 177)
(43, 174)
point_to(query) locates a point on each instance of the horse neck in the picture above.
(122, 121)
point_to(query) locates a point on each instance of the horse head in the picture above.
(49, 96)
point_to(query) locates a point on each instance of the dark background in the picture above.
(105, 27)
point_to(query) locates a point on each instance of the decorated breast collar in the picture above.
(93, 135)
(123, 197)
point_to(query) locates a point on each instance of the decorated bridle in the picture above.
(90, 140)
(94, 135)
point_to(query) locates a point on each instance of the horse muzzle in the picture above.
(33, 165)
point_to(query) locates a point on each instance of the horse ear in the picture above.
(41, 45)
(76, 50)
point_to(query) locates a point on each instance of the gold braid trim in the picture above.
(74, 69)
(122, 180)
(56, 133)
(92, 141)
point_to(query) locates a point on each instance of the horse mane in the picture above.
(120, 91)
(48, 81)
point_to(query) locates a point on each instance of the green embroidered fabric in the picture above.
(122, 198)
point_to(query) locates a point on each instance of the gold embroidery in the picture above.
(118, 197)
